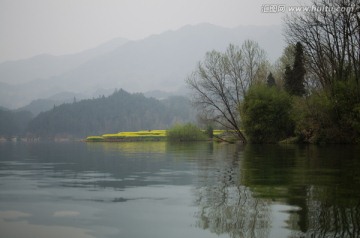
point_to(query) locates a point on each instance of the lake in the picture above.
(161, 189)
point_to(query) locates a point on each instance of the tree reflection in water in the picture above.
(226, 206)
(234, 212)
(235, 193)
(328, 215)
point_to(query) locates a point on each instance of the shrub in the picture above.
(185, 132)
(321, 118)
(265, 114)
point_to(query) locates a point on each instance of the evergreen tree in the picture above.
(298, 72)
(294, 78)
(288, 79)
(270, 80)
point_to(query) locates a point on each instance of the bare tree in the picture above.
(254, 61)
(330, 35)
(220, 82)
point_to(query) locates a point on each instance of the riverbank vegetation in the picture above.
(185, 132)
(310, 95)
(265, 114)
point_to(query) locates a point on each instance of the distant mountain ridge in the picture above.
(121, 111)
(158, 62)
(44, 66)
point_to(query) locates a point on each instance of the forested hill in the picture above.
(121, 111)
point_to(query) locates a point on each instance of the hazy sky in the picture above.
(32, 27)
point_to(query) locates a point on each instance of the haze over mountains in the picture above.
(159, 62)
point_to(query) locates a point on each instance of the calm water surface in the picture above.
(159, 189)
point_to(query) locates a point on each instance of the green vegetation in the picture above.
(295, 77)
(186, 132)
(323, 119)
(329, 112)
(266, 114)
(95, 139)
(314, 96)
(220, 82)
(270, 81)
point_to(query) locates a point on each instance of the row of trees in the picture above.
(313, 92)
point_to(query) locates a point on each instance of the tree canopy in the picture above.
(221, 80)
(266, 114)
(331, 46)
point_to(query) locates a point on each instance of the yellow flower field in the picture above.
(135, 135)
(130, 135)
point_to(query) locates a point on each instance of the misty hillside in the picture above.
(121, 111)
(159, 62)
(46, 66)
(13, 123)
(24, 81)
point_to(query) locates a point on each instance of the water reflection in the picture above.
(129, 147)
(196, 190)
(321, 187)
(16, 224)
(225, 204)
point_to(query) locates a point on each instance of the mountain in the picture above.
(121, 111)
(26, 80)
(163, 61)
(13, 123)
(46, 66)
(159, 62)
(44, 104)
(158, 94)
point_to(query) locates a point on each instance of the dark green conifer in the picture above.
(298, 72)
(294, 78)
(288, 79)
(270, 80)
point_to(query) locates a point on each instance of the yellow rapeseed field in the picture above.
(145, 134)
(129, 135)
